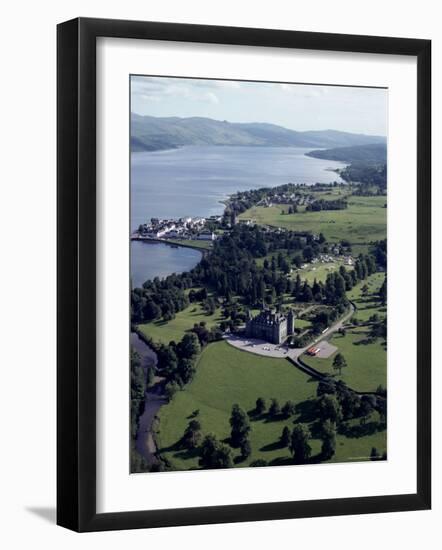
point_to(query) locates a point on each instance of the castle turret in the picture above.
(290, 322)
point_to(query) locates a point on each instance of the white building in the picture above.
(206, 236)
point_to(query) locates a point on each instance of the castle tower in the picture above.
(290, 322)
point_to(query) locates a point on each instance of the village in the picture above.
(185, 228)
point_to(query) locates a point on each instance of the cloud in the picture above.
(158, 89)
(212, 98)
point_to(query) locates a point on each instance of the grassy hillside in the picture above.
(364, 220)
(366, 362)
(226, 376)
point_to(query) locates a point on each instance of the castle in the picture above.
(271, 326)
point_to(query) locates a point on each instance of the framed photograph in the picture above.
(243, 274)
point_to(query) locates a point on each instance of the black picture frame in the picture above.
(76, 274)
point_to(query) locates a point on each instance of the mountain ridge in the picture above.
(158, 133)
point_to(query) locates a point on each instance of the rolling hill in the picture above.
(157, 133)
(374, 153)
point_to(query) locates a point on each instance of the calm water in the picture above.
(149, 260)
(192, 181)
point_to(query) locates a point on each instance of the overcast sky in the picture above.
(295, 106)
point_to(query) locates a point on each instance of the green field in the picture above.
(364, 220)
(166, 331)
(367, 362)
(226, 376)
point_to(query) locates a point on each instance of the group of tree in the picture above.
(336, 402)
(379, 251)
(214, 454)
(337, 283)
(297, 441)
(205, 335)
(231, 269)
(274, 410)
(322, 204)
(366, 175)
(160, 298)
(176, 361)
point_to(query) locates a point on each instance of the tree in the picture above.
(382, 409)
(239, 422)
(368, 403)
(339, 363)
(186, 370)
(260, 405)
(274, 408)
(288, 409)
(329, 408)
(350, 403)
(328, 447)
(171, 389)
(326, 386)
(152, 311)
(383, 292)
(374, 455)
(308, 253)
(299, 445)
(192, 435)
(215, 454)
(307, 294)
(167, 361)
(285, 437)
(246, 449)
(189, 347)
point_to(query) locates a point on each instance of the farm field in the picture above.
(364, 220)
(366, 362)
(166, 331)
(226, 376)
